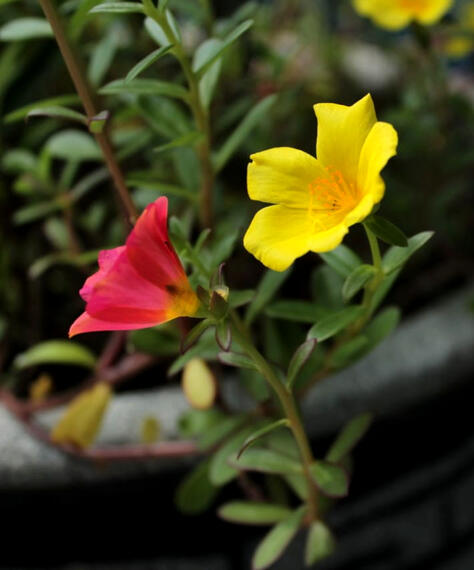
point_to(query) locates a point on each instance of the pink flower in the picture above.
(140, 284)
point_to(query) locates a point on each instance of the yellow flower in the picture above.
(397, 14)
(318, 199)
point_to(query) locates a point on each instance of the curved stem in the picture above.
(288, 403)
(200, 114)
(76, 72)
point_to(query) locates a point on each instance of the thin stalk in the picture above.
(288, 403)
(200, 114)
(78, 77)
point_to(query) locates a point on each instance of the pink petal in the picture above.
(107, 258)
(85, 323)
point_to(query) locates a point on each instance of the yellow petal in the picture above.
(433, 12)
(379, 147)
(282, 176)
(361, 211)
(388, 14)
(329, 239)
(342, 131)
(278, 235)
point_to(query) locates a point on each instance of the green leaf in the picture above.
(356, 280)
(209, 78)
(153, 186)
(326, 286)
(220, 471)
(342, 259)
(239, 298)
(260, 433)
(250, 512)
(147, 61)
(386, 231)
(144, 87)
(194, 334)
(220, 430)
(56, 352)
(265, 461)
(398, 256)
(223, 335)
(157, 33)
(118, 8)
(335, 322)
(215, 50)
(331, 479)
(350, 351)
(35, 211)
(205, 348)
(348, 437)
(236, 359)
(266, 290)
(189, 139)
(242, 131)
(57, 112)
(320, 543)
(194, 423)
(102, 57)
(298, 311)
(382, 325)
(18, 160)
(25, 29)
(157, 341)
(299, 359)
(196, 492)
(277, 540)
(22, 112)
(73, 145)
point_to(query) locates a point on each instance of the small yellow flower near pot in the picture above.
(397, 14)
(82, 419)
(150, 430)
(199, 384)
(317, 199)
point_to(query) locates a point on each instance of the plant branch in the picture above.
(77, 74)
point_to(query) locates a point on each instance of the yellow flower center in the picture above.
(331, 198)
(414, 6)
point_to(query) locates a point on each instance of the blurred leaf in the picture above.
(57, 112)
(350, 351)
(220, 471)
(299, 359)
(199, 384)
(342, 259)
(331, 479)
(236, 359)
(205, 348)
(386, 231)
(73, 145)
(194, 423)
(223, 246)
(265, 461)
(40, 388)
(194, 334)
(260, 433)
(144, 87)
(397, 256)
(239, 298)
(147, 61)
(196, 493)
(118, 8)
(18, 160)
(56, 352)
(35, 211)
(356, 280)
(42, 264)
(382, 325)
(208, 81)
(156, 188)
(157, 341)
(326, 287)
(335, 322)
(25, 29)
(266, 290)
(249, 512)
(57, 232)
(214, 50)
(102, 57)
(320, 543)
(22, 112)
(298, 311)
(348, 437)
(189, 139)
(242, 131)
(277, 540)
(224, 335)
(157, 33)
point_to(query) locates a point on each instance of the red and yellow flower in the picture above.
(140, 284)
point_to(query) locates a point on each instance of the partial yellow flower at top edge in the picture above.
(317, 199)
(397, 14)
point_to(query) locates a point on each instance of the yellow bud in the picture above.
(82, 419)
(151, 430)
(223, 291)
(40, 388)
(199, 384)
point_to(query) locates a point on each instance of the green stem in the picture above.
(77, 74)
(288, 403)
(200, 114)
